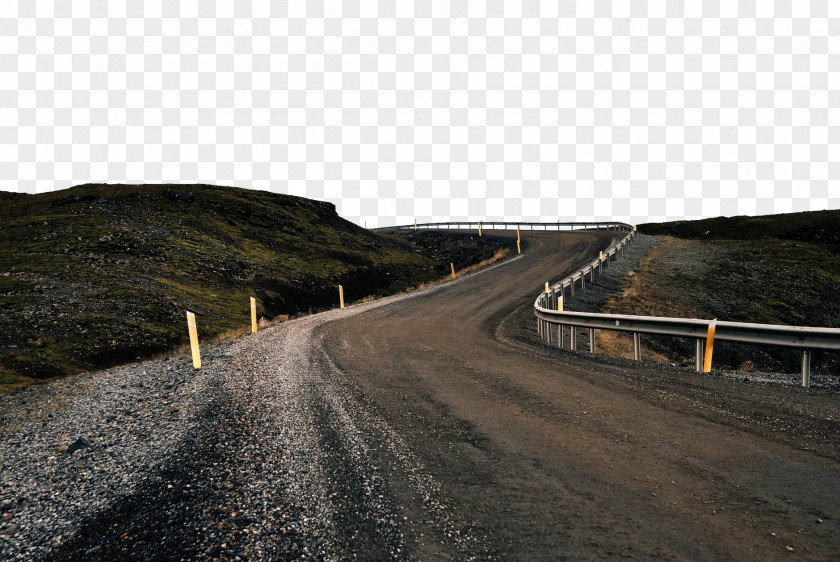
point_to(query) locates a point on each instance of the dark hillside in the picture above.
(776, 269)
(818, 227)
(97, 275)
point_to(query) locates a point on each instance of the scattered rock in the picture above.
(80, 443)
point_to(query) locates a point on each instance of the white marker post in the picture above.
(193, 329)
(253, 316)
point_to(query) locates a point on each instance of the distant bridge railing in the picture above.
(549, 311)
(507, 225)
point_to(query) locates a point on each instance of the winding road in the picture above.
(437, 426)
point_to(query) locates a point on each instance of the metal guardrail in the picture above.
(505, 225)
(806, 339)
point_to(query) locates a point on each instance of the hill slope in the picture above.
(776, 269)
(97, 275)
(817, 227)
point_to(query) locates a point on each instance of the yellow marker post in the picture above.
(634, 228)
(601, 256)
(546, 288)
(710, 341)
(193, 329)
(253, 316)
(560, 303)
(517, 234)
(518, 247)
(341, 295)
(479, 229)
(453, 269)
(415, 224)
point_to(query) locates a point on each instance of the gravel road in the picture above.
(427, 426)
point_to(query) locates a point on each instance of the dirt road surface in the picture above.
(549, 456)
(438, 426)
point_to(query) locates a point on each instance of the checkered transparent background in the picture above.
(647, 110)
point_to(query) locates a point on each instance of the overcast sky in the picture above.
(637, 111)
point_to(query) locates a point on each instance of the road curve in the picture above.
(545, 455)
(435, 426)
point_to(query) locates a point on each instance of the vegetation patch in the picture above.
(99, 274)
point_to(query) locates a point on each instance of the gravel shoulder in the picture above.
(263, 453)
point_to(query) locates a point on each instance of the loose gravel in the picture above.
(263, 453)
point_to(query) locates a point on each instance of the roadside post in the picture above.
(193, 329)
(710, 342)
(518, 248)
(453, 269)
(341, 295)
(253, 315)
(479, 228)
(806, 368)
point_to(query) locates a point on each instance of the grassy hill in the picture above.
(776, 269)
(98, 275)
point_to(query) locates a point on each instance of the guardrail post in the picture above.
(637, 346)
(806, 368)
(582, 281)
(591, 274)
(698, 361)
(592, 340)
(561, 336)
(573, 338)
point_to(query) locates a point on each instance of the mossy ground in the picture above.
(782, 269)
(98, 275)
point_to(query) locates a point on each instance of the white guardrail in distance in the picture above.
(504, 225)
(806, 339)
